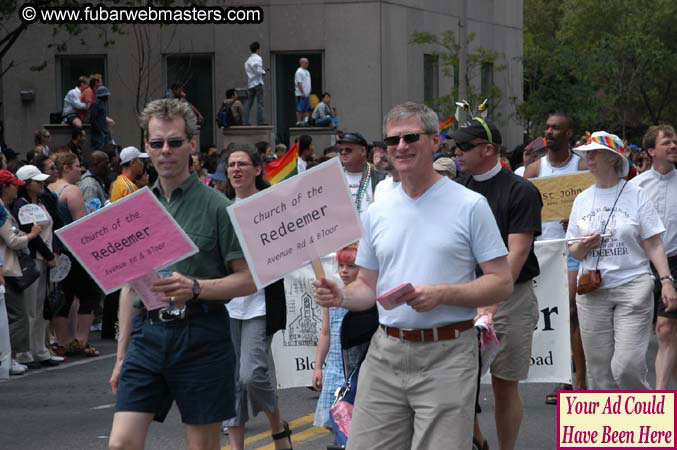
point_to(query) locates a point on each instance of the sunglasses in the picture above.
(346, 150)
(467, 146)
(172, 143)
(408, 139)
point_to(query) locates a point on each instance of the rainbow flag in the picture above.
(446, 126)
(283, 168)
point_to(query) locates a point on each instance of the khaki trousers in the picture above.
(416, 395)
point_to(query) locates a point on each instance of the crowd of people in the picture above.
(474, 260)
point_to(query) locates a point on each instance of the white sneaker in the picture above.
(23, 358)
(57, 358)
(17, 369)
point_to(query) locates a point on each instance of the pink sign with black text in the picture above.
(126, 240)
(303, 218)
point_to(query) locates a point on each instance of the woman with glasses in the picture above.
(253, 321)
(615, 231)
(78, 283)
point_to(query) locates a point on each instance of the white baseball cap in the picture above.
(130, 153)
(29, 172)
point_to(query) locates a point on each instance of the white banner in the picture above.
(551, 346)
(294, 348)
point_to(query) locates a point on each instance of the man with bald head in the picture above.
(302, 92)
(92, 183)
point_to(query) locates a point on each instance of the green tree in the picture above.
(448, 58)
(611, 64)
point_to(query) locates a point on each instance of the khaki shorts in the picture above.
(515, 320)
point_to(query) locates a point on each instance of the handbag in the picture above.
(29, 272)
(55, 300)
(592, 279)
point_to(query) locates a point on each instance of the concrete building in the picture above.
(359, 51)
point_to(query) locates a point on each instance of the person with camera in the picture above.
(615, 231)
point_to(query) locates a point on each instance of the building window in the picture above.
(487, 79)
(194, 72)
(73, 67)
(431, 86)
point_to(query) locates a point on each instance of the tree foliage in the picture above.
(448, 58)
(611, 64)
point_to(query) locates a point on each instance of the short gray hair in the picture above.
(169, 109)
(403, 111)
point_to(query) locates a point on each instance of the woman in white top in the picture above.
(615, 318)
(253, 321)
(41, 251)
(12, 240)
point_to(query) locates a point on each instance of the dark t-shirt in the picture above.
(516, 204)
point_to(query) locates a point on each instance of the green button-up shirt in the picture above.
(201, 212)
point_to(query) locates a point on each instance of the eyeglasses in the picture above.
(346, 150)
(467, 146)
(239, 164)
(172, 143)
(408, 139)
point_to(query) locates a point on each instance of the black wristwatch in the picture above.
(667, 277)
(196, 289)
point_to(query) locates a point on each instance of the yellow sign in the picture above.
(559, 192)
(619, 419)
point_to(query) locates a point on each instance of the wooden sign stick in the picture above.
(317, 268)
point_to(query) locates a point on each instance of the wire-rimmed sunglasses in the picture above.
(158, 144)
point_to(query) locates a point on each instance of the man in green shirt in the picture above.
(188, 357)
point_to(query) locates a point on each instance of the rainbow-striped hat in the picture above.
(601, 140)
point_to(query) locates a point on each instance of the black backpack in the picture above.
(225, 117)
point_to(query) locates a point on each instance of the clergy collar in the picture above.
(489, 174)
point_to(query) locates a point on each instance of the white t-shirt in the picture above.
(248, 307)
(354, 186)
(634, 219)
(384, 187)
(438, 238)
(520, 171)
(301, 166)
(253, 67)
(554, 229)
(662, 190)
(302, 76)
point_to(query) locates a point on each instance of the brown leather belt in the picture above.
(429, 334)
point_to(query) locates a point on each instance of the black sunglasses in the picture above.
(172, 143)
(467, 146)
(408, 138)
(346, 150)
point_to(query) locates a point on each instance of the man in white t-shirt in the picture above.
(302, 93)
(255, 71)
(560, 160)
(362, 177)
(306, 152)
(417, 384)
(660, 184)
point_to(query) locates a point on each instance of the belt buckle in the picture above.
(169, 314)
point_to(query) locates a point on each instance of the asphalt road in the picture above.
(70, 407)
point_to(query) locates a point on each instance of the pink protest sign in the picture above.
(303, 218)
(126, 240)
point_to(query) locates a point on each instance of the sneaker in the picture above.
(58, 359)
(17, 369)
(23, 358)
